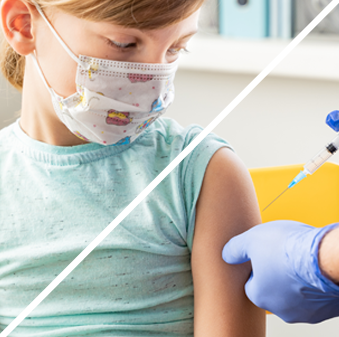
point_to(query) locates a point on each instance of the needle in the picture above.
(275, 199)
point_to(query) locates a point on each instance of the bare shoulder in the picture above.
(228, 194)
(227, 206)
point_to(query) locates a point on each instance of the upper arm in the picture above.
(227, 206)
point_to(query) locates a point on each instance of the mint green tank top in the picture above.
(55, 200)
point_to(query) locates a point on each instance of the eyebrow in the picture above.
(180, 38)
(188, 35)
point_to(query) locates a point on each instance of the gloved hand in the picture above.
(286, 279)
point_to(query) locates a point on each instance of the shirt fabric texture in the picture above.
(55, 200)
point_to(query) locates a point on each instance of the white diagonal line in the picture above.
(168, 170)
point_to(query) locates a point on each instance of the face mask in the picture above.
(115, 101)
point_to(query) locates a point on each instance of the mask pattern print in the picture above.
(117, 100)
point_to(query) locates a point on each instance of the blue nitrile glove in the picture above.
(286, 279)
(332, 120)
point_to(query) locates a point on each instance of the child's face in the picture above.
(103, 40)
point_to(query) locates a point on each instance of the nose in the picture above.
(153, 58)
(153, 53)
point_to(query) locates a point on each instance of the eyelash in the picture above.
(120, 46)
(124, 46)
(182, 50)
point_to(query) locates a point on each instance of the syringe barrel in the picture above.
(317, 161)
(335, 142)
(322, 157)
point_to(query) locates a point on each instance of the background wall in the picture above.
(10, 103)
(280, 123)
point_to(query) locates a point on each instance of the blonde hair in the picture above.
(140, 14)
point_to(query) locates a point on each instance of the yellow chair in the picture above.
(314, 201)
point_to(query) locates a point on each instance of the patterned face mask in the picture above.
(115, 101)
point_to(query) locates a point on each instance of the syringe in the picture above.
(313, 165)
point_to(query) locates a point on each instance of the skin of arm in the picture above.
(227, 206)
(329, 255)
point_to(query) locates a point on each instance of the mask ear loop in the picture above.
(41, 74)
(52, 92)
(84, 65)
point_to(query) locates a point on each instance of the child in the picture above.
(84, 149)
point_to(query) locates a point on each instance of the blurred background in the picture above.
(282, 122)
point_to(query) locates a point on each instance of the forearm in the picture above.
(329, 255)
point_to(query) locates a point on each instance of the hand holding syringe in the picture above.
(321, 158)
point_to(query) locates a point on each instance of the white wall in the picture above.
(10, 103)
(280, 123)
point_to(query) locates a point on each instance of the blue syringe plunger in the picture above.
(297, 179)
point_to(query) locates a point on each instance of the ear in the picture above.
(16, 20)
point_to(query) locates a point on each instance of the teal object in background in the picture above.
(286, 18)
(274, 30)
(281, 18)
(244, 18)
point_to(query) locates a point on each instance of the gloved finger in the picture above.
(251, 290)
(235, 251)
